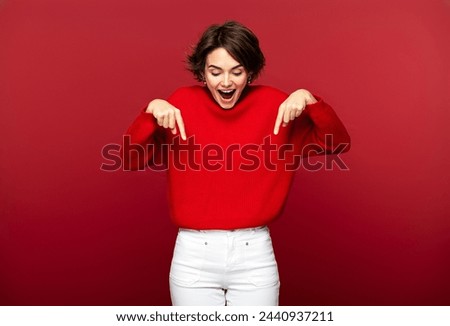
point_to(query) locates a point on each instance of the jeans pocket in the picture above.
(262, 268)
(188, 260)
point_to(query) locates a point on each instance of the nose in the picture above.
(226, 81)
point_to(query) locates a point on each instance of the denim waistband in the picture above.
(212, 231)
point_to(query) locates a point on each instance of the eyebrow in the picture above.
(215, 67)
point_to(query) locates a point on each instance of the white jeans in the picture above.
(216, 268)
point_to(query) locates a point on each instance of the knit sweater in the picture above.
(231, 172)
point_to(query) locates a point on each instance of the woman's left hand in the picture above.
(292, 107)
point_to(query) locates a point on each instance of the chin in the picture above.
(227, 106)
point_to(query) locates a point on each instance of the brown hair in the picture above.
(238, 40)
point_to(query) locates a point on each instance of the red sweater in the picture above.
(232, 172)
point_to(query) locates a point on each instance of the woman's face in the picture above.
(225, 77)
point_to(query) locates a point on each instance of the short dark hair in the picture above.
(238, 40)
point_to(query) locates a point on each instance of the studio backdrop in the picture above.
(75, 73)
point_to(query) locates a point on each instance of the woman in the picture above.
(230, 173)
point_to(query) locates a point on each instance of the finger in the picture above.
(156, 118)
(160, 120)
(286, 116)
(171, 120)
(292, 114)
(166, 121)
(172, 123)
(180, 124)
(278, 121)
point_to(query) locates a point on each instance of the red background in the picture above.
(74, 74)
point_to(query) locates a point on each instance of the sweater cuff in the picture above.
(322, 114)
(143, 126)
(147, 118)
(313, 107)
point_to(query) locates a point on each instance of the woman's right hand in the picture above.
(167, 116)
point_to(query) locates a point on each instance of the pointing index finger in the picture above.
(180, 124)
(278, 122)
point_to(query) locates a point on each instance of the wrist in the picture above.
(151, 106)
(309, 98)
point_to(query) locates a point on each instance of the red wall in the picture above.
(74, 74)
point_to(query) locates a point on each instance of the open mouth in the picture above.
(228, 94)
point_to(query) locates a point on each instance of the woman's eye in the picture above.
(215, 74)
(237, 73)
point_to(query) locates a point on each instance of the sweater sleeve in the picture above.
(320, 131)
(140, 142)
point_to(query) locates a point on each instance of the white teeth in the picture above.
(227, 92)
